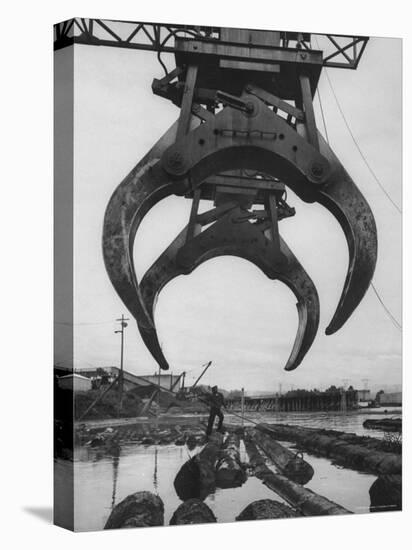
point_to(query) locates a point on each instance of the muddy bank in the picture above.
(357, 452)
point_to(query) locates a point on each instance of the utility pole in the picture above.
(365, 383)
(242, 405)
(123, 325)
(343, 404)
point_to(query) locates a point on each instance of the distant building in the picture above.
(75, 382)
(145, 384)
(389, 399)
(364, 395)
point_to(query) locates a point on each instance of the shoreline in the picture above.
(201, 417)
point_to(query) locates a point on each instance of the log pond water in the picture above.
(104, 476)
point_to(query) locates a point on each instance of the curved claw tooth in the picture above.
(344, 200)
(156, 277)
(146, 185)
(180, 258)
(296, 278)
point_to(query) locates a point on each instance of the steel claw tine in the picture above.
(347, 204)
(182, 258)
(156, 277)
(144, 186)
(295, 277)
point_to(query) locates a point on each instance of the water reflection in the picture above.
(116, 460)
(155, 481)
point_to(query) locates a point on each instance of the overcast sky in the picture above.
(227, 311)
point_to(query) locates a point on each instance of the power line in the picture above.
(358, 147)
(394, 321)
(390, 315)
(67, 323)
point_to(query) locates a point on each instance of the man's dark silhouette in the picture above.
(216, 403)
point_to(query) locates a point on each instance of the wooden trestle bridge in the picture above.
(298, 401)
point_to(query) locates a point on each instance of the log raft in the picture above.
(384, 424)
(366, 454)
(229, 469)
(290, 464)
(196, 478)
(305, 501)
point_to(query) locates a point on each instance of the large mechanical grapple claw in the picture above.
(198, 164)
(228, 236)
(347, 204)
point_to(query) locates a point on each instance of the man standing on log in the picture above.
(216, 402)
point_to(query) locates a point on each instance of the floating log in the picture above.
(229, 469)
(366, 454)
(142, 509)
(386, 493)
(304, 500)
(196, 478)
(192, 511)
(266, 509)
(384, 424)
(290, 464)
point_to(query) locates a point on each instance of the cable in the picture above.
(83, 324)
(358, 147)
(243, 417)
(159, 58)
(354, 139)
(323, 116)
(165, 40)
(395, 322)
(392, 317)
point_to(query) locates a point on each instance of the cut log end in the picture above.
(191, 512)
(196, 478)
(266, 509)
(141, 509)
(386, 494)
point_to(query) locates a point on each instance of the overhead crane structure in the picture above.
(246, 131)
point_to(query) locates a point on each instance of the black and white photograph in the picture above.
(228, 274)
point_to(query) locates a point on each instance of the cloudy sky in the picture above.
(227, 311)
